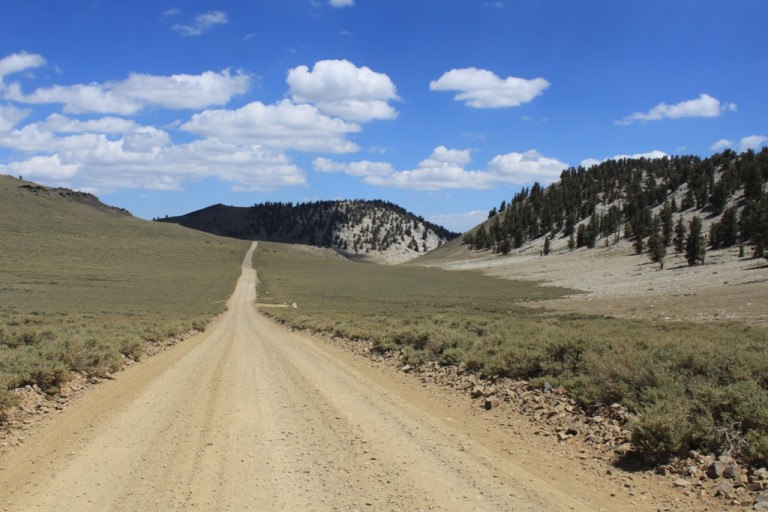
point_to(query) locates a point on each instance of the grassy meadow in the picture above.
(691, 386)
(81, 286)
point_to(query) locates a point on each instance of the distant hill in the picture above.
(641, 200)
(376, 231)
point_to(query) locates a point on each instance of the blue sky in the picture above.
(446, 107)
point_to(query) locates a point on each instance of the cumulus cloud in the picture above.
(17, 62)
(360, 168)
(650, 155)
(202, 23)
(522, 168)
(339, 88)
(139, 91)
(283, 125)
(64, 124)
(142, 157)
(703, 106)
(10, 116)
(341, 3)
(480, 88)
(722, 144)
(445, 169)
(752, 142)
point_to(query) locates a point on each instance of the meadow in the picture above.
(82, 287)
(690, 385)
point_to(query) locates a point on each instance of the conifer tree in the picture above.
(680, 234)
(657, 251)
(695, 246)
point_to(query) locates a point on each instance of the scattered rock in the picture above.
(716, 470)
(682, 482)
(725, 491)
(731, 471)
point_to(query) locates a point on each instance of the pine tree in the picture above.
(695, 245)
(680, 233)
(657, 251)
(547, 249)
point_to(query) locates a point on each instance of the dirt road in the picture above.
(250, 416)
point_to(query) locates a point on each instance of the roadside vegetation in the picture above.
(690, 385)
(83, 285)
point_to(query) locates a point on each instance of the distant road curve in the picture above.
(250, 416)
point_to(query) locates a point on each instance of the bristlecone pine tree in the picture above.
(695, 245)
(657, 251)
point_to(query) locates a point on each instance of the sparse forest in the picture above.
(641, 200)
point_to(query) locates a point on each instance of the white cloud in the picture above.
(144, 157)
(202, 24)
(722, 144)
(10, 116)
(522, 168)
(480, 88)
(283, 125)
(752, 142)
(63, 124)
(650, 155)
(703, 106)
(47, 167)
(17, 62)
(139, 91)
(341, 3)
(339, 88)
(445, 169)
(360, 168)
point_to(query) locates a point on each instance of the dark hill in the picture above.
(371, 230)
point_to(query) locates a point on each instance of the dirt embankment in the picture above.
(250, 416)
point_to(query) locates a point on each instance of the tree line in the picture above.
(637, 200)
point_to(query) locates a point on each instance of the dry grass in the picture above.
(80, 287)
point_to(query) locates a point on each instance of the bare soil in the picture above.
(614, 281)
(251, 416)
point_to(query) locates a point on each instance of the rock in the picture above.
(573, 429)
(547, 387)
(407, 368)
(761, 474)
(491, 403)
(725, 459)
(716, 470)
(622, 449)
(682, 482)
(725, 491)
(761, 498)
(731, 471)
(477, 392)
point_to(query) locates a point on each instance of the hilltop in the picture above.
(375, 231)
(643, 201)
(20, 188)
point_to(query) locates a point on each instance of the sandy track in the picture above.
(250, 416)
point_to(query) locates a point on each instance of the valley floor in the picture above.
(252, 416)
(618, 282)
